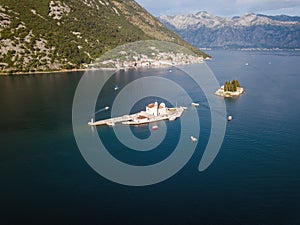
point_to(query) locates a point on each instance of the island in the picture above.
(230, 89)
(153, 113)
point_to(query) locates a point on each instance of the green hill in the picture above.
(54, 35)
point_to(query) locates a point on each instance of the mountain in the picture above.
(65, 34)
(204, 30)
(283, 18)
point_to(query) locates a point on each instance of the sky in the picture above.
(224, 8)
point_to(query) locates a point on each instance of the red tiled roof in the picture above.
(151, 105)
(140, 117)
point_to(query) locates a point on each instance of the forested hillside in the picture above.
(53, 35)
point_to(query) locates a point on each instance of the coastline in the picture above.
(43, 72)
(159, 64)
(121, 60)
(74, 70)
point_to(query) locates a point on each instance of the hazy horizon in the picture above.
(227, 8)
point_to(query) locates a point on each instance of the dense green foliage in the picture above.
(231, 85)
(83, 33)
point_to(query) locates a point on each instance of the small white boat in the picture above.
(195, 104)
(106, 108)
(91, 122)
(155, 127)
(194, 139)
(229, 118)
(116, 88)
(172, 118)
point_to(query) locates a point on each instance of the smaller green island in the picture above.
(230, 89)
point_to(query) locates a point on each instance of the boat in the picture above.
(229, 118)
(155, 127)
(116, 88)
(91, 122)
(195, 104)
(172, 118)
(194, 139)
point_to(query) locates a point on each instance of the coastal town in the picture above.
(145, 54)
(162, 59)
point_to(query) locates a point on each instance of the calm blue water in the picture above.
(255, 178)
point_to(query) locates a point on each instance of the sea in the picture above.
(254, 178)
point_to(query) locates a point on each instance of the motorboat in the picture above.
(194, 139)
(155, 127)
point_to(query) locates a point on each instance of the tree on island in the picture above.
(231, 85)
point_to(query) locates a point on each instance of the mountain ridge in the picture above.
(251, 30)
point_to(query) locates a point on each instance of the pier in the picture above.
(112, 121)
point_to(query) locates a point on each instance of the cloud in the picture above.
(159, 7)
(267, 5)
(270, 7)
(221, 7)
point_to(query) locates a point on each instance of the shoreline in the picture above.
(230, 94)
(71, 70)
(163, 65)
(43, 72)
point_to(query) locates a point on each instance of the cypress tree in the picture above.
(231, 85)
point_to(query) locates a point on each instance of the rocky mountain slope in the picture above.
(66, 34)
(249, 31)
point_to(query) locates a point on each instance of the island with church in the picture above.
(154, 112)
(230, 89)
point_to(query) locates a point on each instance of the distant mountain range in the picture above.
(66, 34)
(204, 30)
